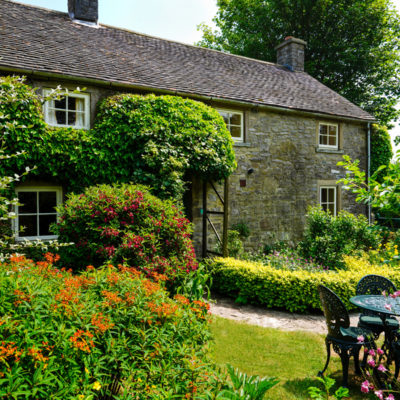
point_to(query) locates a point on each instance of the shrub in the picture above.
(381, 148)
(125, 223)
(295, 291)
(327, 238)
(68, 337)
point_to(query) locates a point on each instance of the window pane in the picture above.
(323, 196)
(332, 130)
(71, 118)
(331, 208)
(323, 130)
(71, 103)
(323, 140)
(29, 223)
(235, 131)
(236, 119)
(61, 117)
(332, 140)
(44, 224)
(331, 195)
(28, 201)
(61, 103)
(47, 202)
(225, 116)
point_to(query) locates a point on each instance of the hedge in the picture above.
(294, 291)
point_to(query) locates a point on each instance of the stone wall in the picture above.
(288, 169)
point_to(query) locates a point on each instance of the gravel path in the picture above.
(286, 321)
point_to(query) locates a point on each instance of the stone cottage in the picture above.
(289, 130)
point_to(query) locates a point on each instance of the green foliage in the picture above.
(382, 191)
(196, 284)
(235, 244)
(146, 139)
(352, 45)
(318, 394)
(327, 238)
(67, 337)
(125, 223)
(242, 228)
(381, 148)
(295, 291)
(246, 387)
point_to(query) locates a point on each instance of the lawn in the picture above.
(294, 357)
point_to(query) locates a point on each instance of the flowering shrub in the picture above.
(126, 223)
(67, 336)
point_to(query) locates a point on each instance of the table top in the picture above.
(377, 304)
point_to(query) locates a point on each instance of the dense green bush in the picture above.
(67, 337)
(146, 139)
(381, 148)
(294, 291)
(327, 238)
(125, 223)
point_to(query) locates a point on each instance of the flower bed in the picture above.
(67, 336)
(291, 290)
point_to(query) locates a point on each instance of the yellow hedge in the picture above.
(292, 290)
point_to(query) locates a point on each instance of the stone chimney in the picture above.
(84, 10)
(290, 53)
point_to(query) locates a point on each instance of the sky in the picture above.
(169, 19)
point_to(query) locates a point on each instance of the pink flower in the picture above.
(371, 363)
(397, 293)
(380, 351)
(388, 307)
(384, 293)
(382, 368)
(365, 387)
(360, 339)
(379, 394)
(390, 397)
(372, 352)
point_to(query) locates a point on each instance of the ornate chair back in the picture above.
(374, 285)
(335, 312)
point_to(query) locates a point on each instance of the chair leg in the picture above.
(328, 353)
(344, 356)
(356, 353)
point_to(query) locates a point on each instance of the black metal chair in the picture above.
(375, 285)
(343, 337)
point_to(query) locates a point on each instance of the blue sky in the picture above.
(169, 19)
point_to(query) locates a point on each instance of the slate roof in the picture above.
(41, 40)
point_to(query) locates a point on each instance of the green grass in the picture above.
(293, 357)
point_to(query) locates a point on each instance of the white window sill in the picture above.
(328, 150)
(36, 238)
(241, 144)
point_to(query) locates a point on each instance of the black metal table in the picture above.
(384, 307)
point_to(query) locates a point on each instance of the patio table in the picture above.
(379, 305)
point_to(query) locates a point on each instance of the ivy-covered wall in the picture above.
(152, 140)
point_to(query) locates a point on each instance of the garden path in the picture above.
(227, 308)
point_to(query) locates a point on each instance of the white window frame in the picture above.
(328, 146)
(86, 111)
(235, 139)
(36, 189)
(335, 198)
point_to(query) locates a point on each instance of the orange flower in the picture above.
(101, 323)
(22, 297)
(150, 287)
(181, 299)
(82, 340)
(51, 258)
(37, 355)
(164, 311)
(8, 350)
(111, 298)
(113, 278)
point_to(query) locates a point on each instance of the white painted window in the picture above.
(71, 110)
(36, 212)
(234, 123)
(328, 198)
(328, 136)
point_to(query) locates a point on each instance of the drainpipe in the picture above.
(369, 166)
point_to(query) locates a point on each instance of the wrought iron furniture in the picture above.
(345, 339)
(375, 285)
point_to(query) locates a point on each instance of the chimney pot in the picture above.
(290, 53)
(84, 10)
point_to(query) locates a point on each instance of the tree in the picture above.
(352, 45)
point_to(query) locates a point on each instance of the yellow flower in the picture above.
(97, 385)
(139, 380)
(86, 370)
(81, 397)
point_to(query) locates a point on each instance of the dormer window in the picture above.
(328, 137)
(71, 110)
(234, 123)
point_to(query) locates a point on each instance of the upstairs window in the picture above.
(234, 123)
(328, 136)
(71, 110)
(36, 212)
(328, 199)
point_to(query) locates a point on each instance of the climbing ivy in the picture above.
(381, 148)
(152, 140)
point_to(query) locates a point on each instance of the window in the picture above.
(328, 136)
(328, 198)
(234, 123)
(71, 110)
(36, 212)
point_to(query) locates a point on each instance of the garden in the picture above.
(118, 306)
